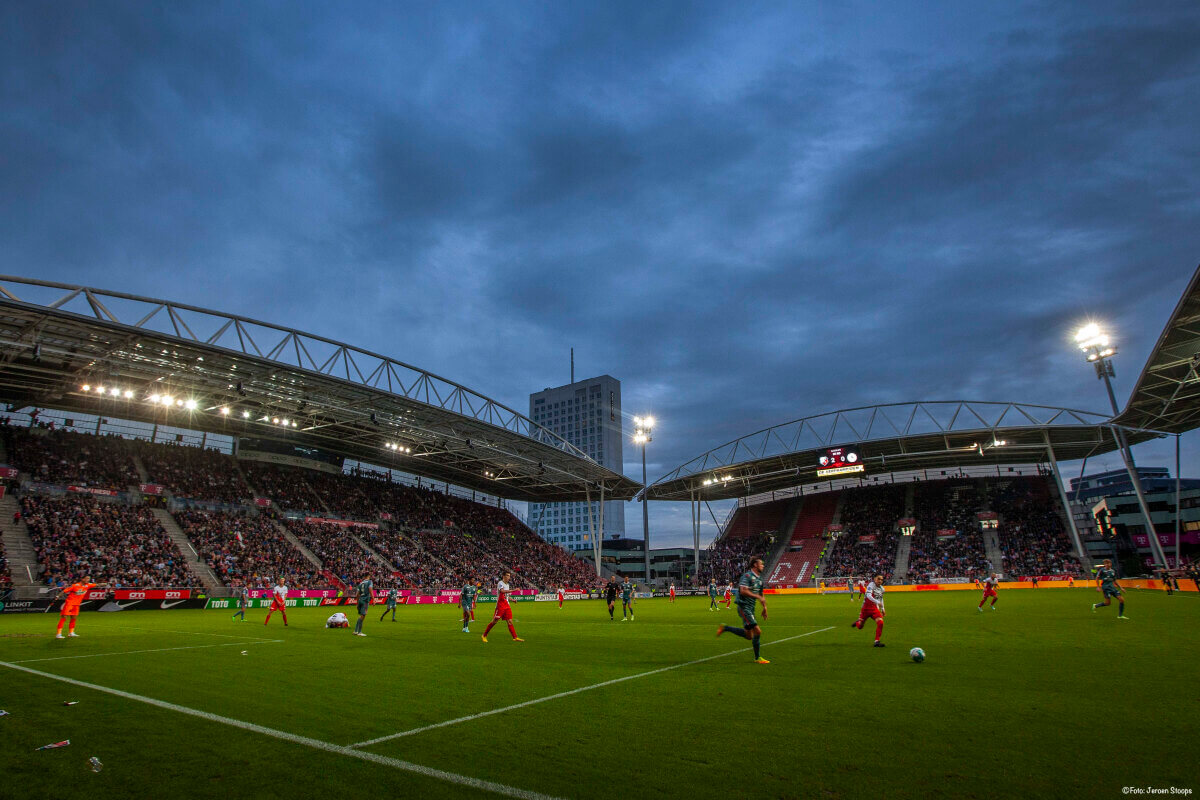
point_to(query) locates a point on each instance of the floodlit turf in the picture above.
(1041, 698)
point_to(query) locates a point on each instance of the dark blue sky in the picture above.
(747, 213)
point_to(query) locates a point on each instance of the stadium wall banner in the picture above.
(541, 598)
(982, 515)
(867, 539)
(386, 517)
(150, 488)
(140, 594)
(25, 606)
(303, 593)
(262, 602)
(949, 580)
(8, 472)
(946, 533)
(262, 502)
(92, 490)
(341, 523)
(146, 605)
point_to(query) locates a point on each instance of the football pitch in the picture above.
(1041, 698)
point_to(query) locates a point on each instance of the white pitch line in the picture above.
(570, 692)
(316, 744)
(158, 650)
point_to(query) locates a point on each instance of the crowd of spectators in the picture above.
(194, 472)
(729, 558)
(1032, 537)
(417, 569)
(121, 545)
(284, 485)
(869, 511)
(63, 457)
(340, 555)
(948, 506)
(5, 575)
(247, 550)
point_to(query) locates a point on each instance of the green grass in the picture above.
(1040, 698)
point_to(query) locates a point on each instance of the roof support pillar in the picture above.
(1156, 550)
(694, 507)
(587, 491)
(1062, 496)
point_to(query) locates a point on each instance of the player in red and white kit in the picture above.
(503, 609)
(279, 595)
(672, 593)
(989, 590)
(560, 597)
(872, 608)
(728, 595)
(861, 588)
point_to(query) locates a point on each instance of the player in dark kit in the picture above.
(627, 599)
(391, 604)
(1106, 584)
(610, 596)
(363, 590)
(750, 591)
(467, 601)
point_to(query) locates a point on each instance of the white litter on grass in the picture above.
(245, 652)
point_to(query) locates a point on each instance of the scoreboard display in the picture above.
(839, 461)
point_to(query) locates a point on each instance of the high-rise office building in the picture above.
(587, 414)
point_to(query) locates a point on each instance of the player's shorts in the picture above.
(626, 600)
(1111, 591)
(989, 593)
(69, 611)
(363, 608)
(503, 612)
(391, 604)
(872, 612)
(277, 606)
(747, 618)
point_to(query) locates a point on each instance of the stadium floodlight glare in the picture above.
(225, 411)
(245, 415)
(86, 388)
(115, 392)
(128, 394)
(99, 390)
(153, 398)
(275, 420)
(167, 400)
(190, 405)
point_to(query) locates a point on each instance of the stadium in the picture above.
(177, 463)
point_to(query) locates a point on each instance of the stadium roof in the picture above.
(1167, 394)
(243, 374)
(889, 438)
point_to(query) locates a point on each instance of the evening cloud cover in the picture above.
(746, 213)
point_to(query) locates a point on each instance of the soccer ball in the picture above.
(917, 654)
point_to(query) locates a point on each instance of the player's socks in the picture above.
(735, 631)
(878, 630)
(284, 615)
(488, 629)
(1120, 611)
(755, 642)
(512, 630)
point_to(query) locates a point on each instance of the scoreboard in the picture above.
(839, 461)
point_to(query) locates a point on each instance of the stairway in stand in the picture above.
(19, 549)
(201, 570)
(299, 545)
(900, 569)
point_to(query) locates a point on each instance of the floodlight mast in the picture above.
(1098, 350)
(643, 434)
